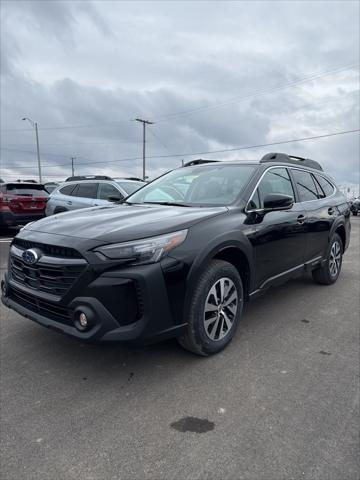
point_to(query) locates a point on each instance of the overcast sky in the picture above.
(211, 75)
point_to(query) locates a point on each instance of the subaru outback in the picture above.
(180, 256)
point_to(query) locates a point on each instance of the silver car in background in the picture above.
(90, 191)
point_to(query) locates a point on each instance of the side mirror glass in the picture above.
(278, 201)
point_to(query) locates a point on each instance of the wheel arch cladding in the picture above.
(340, 230)
(239, 260)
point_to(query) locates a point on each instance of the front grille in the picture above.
(47, 309)
(66, 252)
(52, 274)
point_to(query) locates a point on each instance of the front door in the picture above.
(279, 239)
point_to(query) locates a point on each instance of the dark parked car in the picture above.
(21, 202)
(180, 257)
(355, 206)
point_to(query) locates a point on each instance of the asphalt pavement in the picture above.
(280, 403)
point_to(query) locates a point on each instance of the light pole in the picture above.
(35, 126)
(144, 122)
(72, 166)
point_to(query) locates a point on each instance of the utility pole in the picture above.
(144, 122)
(72, 166)
(35, 126)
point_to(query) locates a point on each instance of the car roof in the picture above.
(257, 163)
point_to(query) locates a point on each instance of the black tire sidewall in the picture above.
(215, 271)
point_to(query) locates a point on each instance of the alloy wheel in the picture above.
(220, 310)
(335, 259)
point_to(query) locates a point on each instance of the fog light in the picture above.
(83, 320)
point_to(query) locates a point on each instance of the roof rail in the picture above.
(136, 179)
(285, 158)
(199, 161)
(88, 177)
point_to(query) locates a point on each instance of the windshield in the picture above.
(217, 184)
(130, 187)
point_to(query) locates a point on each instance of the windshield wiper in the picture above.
(174, 204)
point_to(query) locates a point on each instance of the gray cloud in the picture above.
(100, 64)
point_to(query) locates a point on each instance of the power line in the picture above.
(254, 94)
(164, 117)
(247, 147)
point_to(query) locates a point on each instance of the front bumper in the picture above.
(130, 305)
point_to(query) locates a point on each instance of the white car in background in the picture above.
(89, 191)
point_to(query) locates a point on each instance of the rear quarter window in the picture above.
(68, 189)
(327, 187)
(306, 186)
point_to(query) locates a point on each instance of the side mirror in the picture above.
(114, 198)
(278, 201)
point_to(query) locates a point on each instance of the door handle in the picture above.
(301, 219)
(69, 202)
(331, 210)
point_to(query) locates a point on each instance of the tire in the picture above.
(329, 272)
(355, 213)
(212, 323)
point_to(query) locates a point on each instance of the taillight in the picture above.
(4, 204)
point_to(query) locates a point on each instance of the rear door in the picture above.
(279, 240)
(320, 212)
(85, 195)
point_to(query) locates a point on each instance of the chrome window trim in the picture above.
(288, 167)
(257, 184)
(315, 200)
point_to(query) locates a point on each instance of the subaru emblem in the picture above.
(30, 256)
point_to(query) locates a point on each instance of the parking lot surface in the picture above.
(280, 403)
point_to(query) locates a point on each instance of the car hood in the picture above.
(119, 223)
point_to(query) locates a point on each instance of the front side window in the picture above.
(87, 190)
(215, 184)
(306, 186)
(276, 180)
(106, 190)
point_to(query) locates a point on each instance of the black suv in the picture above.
(180, 256)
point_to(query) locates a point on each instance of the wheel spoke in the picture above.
(209, 321)
(232, 308)
(209, 307)
(214, 329)
(227, 320)
(213, 293)
(231, 298)
(222, 289)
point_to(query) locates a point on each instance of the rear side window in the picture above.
(106, 190)
(326, 186)
(68, 190)
(87, 190)
(306, 186)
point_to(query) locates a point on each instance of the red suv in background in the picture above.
(21, 202)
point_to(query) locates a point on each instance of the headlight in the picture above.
(147, 250)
